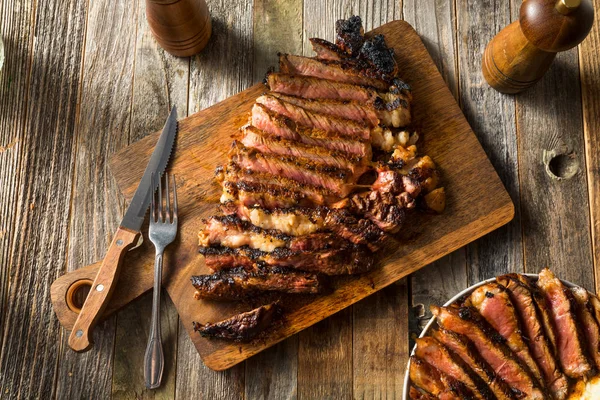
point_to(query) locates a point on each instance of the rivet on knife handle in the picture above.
(104, 284)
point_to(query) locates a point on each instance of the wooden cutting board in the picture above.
(477, 203)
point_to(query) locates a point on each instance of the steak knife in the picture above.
(126, 236)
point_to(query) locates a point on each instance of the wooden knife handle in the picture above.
(101, 289)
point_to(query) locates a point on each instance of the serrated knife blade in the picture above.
(125, 237)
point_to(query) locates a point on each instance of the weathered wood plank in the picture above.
(325, 358)
(40, 121)
(273, 373)
(589, 67)
(16, 31)
(222, 69)
(160, 82)
(380, 343)
(439, 281)
(97, 207)
(492, 117)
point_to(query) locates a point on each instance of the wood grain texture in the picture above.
(380, 343)
(482, 206)
(589, 67)
(223, 69)
(492, 117)
(273, 374)
(45, 160)
(97, 207)
(439, 281)
(160, 82)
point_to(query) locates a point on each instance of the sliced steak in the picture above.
(493, 303)
(338, 181)
(230, 231)
(239, 283)
(281, 126)
(438, 355)
(349, 35)
(348, 260)
(431, 380)
(384, 209)
(585, 314)
(492, 347)
(340, 71)
(242, 327)
(464, 349)
(360, 231)
(266, 144)
(348, 128)
(339, 108)
(326, 50)
(569, 338)
(523, 300)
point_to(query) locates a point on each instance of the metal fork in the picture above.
(163, 229)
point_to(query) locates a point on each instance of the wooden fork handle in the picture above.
(101, 290)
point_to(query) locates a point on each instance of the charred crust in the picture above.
(489, 295)
(379, 55)
(349, 34)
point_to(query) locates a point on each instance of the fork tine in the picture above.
(160, 200)
(167, 200)
(152, 202)
(174, 200)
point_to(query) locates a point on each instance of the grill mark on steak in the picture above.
(492, 347)
(494, 304)
(431, 380)
(347, 260)
(466, 351)
(242, 327)
(349, 35)
(341, 71)
(284, 127)
(541, 350)
(585, 314)
(326, 50)
(240, 283)
(338, 181)
(569, 338)
(351, 129)
(340, 108)
(260, 140)
(437, 355)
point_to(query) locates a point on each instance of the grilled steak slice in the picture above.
(523, 300)
(256, 189)
(283, 127)
(260, 140)
(349, 35)
(340, 71)
(347, 109)
(315, 88)
(431, 380)
(239, 283)
(230, 231)
(569, 338)
(338, 181)
(492, 347)
(438, 355)
(242, 327)
(585, 315)
(544, 311)
(326, 50)
(351, 129)
(359, 231)
(494, 304)
(464, 349)
(351, 259)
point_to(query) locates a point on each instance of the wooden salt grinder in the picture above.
(181, 27)
(521, 53)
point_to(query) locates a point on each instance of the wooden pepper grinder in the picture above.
(521, 53)
(181, 27)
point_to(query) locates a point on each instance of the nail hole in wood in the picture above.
(561, 166)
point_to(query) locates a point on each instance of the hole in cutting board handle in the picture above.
(77, 294)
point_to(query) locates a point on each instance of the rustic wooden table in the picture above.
(83, 79)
